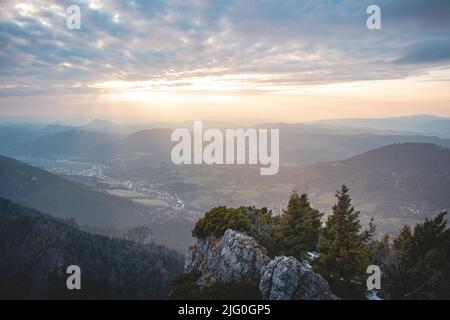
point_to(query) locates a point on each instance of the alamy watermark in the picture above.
(73, 282)
(374, 280)
(374, 20)
(73, 21)
(233, 146)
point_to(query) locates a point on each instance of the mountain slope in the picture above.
(58, 196)
(152, 142)
(54, 128)
(304, 148)
(65, 144)
(11, 138)
(397, 184)
(299, 144)
(36, 249)
(424, 124)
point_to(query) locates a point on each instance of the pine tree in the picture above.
(370, 233)
(300, 226)
(342, 248)
(403, 240)
(419, 267)
(379, 251)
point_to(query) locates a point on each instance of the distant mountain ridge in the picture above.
(300, 143)
(66, 143)
(422, 124)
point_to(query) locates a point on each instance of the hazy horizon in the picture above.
(266, 60)
(80, 120)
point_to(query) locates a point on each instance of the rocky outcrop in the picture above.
(238, 257)
(285, 278)
(235, 257)
(141, 234)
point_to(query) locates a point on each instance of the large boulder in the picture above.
(235, 257)
(285, 278)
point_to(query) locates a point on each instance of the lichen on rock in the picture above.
(285, 278)
(235, 257)
(238, 257)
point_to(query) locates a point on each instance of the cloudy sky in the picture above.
(287, 60)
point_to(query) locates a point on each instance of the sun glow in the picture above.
(221, 96)
(232, 88)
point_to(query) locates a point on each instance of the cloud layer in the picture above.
(215, 45)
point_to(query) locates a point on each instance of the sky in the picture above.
(236, 60)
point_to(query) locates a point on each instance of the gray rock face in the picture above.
(236, 257)
(285, 278)
(196, 256)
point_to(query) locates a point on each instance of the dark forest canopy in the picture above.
(36, 249)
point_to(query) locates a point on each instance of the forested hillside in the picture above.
(36, 249)
(36, 188)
